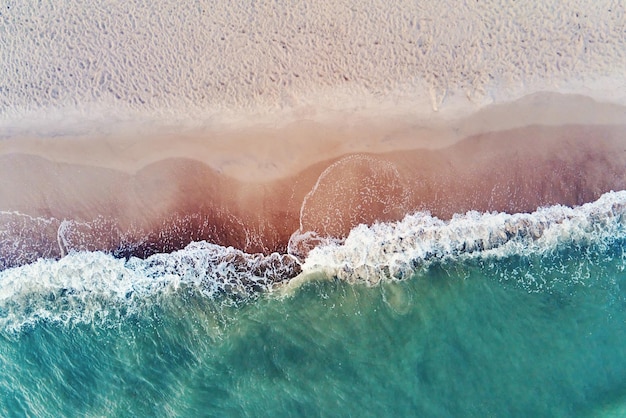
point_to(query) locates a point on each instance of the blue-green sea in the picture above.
(529, 330)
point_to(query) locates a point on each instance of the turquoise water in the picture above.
(524, 335)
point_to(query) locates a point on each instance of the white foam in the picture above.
(92, 287)
(396, 250)
(74, 61)
(95, 287)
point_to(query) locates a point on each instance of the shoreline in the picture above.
(257, 203)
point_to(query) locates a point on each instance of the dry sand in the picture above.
(75, 60)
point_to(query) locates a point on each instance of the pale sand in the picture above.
(317, 183)
(230, 60)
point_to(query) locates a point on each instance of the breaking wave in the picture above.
(94, 287)
(398, 249)
(97, 287)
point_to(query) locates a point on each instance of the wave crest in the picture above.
(85, 287)
(397, 249)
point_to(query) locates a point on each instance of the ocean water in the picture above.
(482, 315)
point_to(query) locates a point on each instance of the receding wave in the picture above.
(98, 287)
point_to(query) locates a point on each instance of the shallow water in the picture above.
(528, 334)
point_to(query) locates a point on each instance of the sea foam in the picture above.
(396, 250)
(95, 287)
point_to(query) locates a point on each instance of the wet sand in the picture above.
(50, 206)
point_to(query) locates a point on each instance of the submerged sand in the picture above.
(254, 188)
